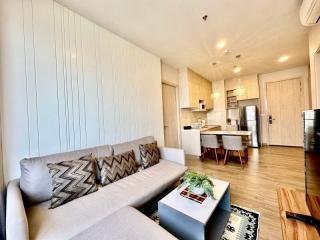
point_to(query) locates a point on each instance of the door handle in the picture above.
(270, 120)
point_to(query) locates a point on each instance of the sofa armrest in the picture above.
(16, 219)
(173, 154)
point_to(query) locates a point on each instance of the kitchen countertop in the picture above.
(231, 133)
(206, 128)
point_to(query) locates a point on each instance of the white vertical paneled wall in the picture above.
(69, 84)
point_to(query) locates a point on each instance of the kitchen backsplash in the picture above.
(187, 116)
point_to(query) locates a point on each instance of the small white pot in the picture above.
(198, 191)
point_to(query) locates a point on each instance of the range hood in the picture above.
(199, 110)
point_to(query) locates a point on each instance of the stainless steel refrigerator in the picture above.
(249, 121)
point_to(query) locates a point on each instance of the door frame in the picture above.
(299, 72)
(316, 64)
(2, 184)
(267, 108)
(176, 86)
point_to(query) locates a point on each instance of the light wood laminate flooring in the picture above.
(255, 186)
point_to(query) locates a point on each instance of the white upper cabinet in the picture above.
(194, 88)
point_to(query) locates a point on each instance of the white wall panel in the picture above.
(70, 84)
(30, 76)
(61, 75)
(46, 84)
(74, 81)
(13, 91)
(314, 45)
(99, 84)
(108, 75)
(90, 84)
(68, 79)
(80, 86)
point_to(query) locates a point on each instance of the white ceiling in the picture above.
(261, 31)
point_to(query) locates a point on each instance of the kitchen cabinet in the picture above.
(190, 139)
(194, 88)
(207, 92)
(252, 89)
(244, 87)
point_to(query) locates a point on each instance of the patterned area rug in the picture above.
(243, 224)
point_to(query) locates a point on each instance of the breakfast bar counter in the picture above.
(228, 133)
(190, 139)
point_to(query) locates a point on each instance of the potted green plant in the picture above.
(197, 183)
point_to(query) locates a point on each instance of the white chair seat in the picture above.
(233, 143)
(210, 141)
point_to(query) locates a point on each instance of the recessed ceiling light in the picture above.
(236, 69)
(283, 58)
(221, 44)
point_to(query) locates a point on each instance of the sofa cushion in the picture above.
(35, 180)
(81, 213)
(116, 167)
(149, 154)
(126, 223)
(72, 179)
(127, 146)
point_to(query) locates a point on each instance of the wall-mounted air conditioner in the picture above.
(310, 12)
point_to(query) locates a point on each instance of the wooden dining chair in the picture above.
(209, 142)
(234, 143)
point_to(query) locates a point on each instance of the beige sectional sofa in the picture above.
(28, 199)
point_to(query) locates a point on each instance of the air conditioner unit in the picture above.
(310, 12)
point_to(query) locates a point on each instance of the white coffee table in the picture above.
(187, 219)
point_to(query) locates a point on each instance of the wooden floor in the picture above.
(255, 186)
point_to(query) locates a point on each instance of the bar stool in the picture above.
(233, 143)
(210, 142)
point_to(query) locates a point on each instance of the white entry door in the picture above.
(170, 115)
(285, 112)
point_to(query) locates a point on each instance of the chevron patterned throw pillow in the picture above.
(116, 167)
(72, 179)
(150, 154)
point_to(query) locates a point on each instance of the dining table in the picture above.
(245, 135)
